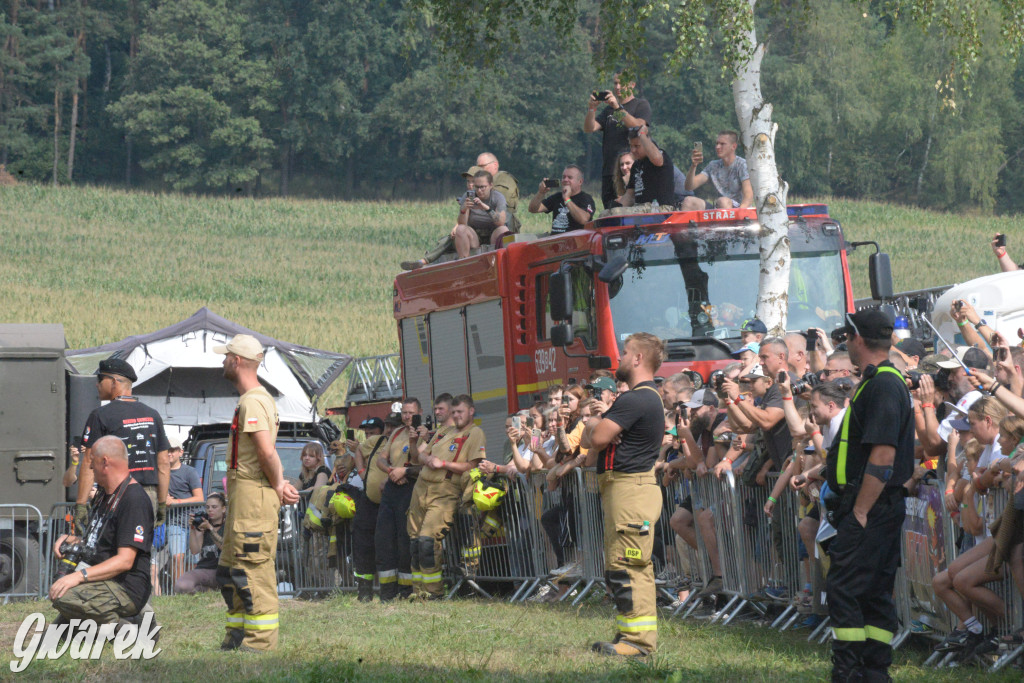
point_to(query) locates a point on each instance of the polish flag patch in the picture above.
(251, 420)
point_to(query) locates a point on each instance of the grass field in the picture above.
(108, 264)
(342, 640)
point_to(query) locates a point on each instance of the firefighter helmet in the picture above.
(344, 506)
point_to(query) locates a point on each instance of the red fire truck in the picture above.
(504, 325)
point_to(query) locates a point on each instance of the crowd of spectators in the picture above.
(635, 172)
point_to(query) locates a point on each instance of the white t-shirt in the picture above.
(832, 429)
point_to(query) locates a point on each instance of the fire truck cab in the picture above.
(503, 326)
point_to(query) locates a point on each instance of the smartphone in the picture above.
(565, 400)
(529, 421)
(470, 193)
(698, 147)
(417, 420)
(551, 183)
(1000, 353)
(1000, 240)
(684, 411)
(76, 441)
(517, 422)
(782, 377)
(350, 435)
(812, 339)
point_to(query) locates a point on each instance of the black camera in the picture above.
(198, 518)
(808, 381)
(428, 422)
(72, 552)
(682, 410)
(719, 383)
(417, 420)
(602, 96)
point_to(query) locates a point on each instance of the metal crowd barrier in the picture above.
(21, 551)
(566, 504)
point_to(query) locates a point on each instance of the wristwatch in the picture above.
(85, 573)
(980, 324)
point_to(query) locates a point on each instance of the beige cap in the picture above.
(473, 170)
(174, 443)
(244, 345)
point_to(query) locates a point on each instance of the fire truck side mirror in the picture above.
(880, 276)
(560, 296)
(599, 362)
(561, 335)
(612, 270)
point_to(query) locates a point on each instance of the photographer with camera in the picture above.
(998, 245)
(571, 207)
(622, 111)
(104, 575)
(205, 539)
(184, 487)
(866, 467)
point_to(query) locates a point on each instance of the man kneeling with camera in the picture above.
(206, 539)
(105, 575)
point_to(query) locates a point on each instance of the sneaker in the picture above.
(570, 569)
(811, 621)
(545, 594)
(918, 626)
(713, 588)
(412, 265)
(954, 642)
(987, 646)
(676, 604)
(777, 592)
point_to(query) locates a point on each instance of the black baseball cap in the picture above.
(912, 347)
(871, 323)
(117, 366)
(754, 325)
(372, 423)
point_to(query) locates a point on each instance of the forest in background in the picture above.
(351, 99)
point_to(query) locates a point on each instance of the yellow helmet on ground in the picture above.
(486, 495)
(344, 506)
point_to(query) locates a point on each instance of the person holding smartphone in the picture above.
(622, 111)
(998, 244)
(571, 208)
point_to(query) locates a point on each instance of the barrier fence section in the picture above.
(21, 553)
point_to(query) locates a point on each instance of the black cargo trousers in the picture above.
(860, 585)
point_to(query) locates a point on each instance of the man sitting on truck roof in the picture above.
(651, 178)
(571, 207)
(728, 173)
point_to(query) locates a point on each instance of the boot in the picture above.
(365, 590)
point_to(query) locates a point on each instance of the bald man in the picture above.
(111, 579)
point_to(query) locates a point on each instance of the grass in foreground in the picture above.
(341, 639)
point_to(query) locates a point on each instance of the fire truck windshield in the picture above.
(703, 283)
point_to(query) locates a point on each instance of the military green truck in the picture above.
(42, 402)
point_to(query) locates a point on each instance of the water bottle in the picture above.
(902, 327)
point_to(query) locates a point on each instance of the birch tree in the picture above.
(729, 26)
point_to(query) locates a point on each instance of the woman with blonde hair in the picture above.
(314, 473)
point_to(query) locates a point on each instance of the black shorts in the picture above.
(814, 513)
(687, 504)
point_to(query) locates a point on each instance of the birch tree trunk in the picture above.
(757, 132)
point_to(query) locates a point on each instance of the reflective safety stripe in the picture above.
(388, 572)
(387, 579)
(636, 624)
(492, 522)
(262, 622)
(844, 434)
(334, 539)
(314, 515)
(417, 576)
(235, 619)
(404, 579)
(429, 578)
(365, 577)
(878, 634)
(473, 551)
(850, 635)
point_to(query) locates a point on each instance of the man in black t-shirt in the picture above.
(623, 111)
(626, 441)
(866, 466)
(114, 580)
(651, 178)
(571, 207)
(138, 426)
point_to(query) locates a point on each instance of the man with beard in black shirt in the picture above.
(626, 441)
(623, 111)
(651, 178)
(113, 581)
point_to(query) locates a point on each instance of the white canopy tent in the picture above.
(179, 375)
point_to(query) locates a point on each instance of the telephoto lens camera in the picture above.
(71, 553)
(808, 381)
(199, 518)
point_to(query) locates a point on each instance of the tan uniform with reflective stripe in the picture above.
(435, 500)
(246, 573)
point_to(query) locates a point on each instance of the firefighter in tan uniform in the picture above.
(256, 490)
(438, 493)
(626, 440)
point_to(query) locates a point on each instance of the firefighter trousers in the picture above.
(246, 573)
(631, 503)
(431, 513)
(364, 531)
(392, 542)
(860, 585)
